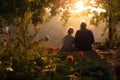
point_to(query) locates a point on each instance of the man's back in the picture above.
(84, 39)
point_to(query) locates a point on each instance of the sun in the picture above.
(79, 6)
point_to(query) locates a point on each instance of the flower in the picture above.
(5, 40)
(52, 48)
(9, 69)
(70, 57)
(5, 44)
(34, 62)
(81, 53)
(10, 34)
(0, 62)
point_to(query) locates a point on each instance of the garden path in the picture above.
(111, 56)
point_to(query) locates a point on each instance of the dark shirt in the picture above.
(84, 39)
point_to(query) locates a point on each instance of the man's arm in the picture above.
(76, 39)
(92, 37)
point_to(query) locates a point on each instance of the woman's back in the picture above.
(68, 43)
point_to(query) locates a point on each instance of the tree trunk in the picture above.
(110, 32)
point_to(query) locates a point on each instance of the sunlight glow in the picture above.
(99, 10)
(92, 2)
(79, 6)
(82, 5)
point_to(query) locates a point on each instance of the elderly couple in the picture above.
(82, 41)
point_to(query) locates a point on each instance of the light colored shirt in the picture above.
(68, 43)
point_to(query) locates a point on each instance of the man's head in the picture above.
(70, 30)
(83, 25)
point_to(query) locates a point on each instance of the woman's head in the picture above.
(70, 30)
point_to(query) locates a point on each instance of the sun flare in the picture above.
(79, 6)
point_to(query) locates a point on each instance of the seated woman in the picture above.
(68, 41)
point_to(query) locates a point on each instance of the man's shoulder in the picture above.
(89, 30)
(77, 31)
(85, 30)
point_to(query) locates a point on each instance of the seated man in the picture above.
(84, 38)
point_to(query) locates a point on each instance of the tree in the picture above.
(111, 17)
(19, 12)
(16, 9)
